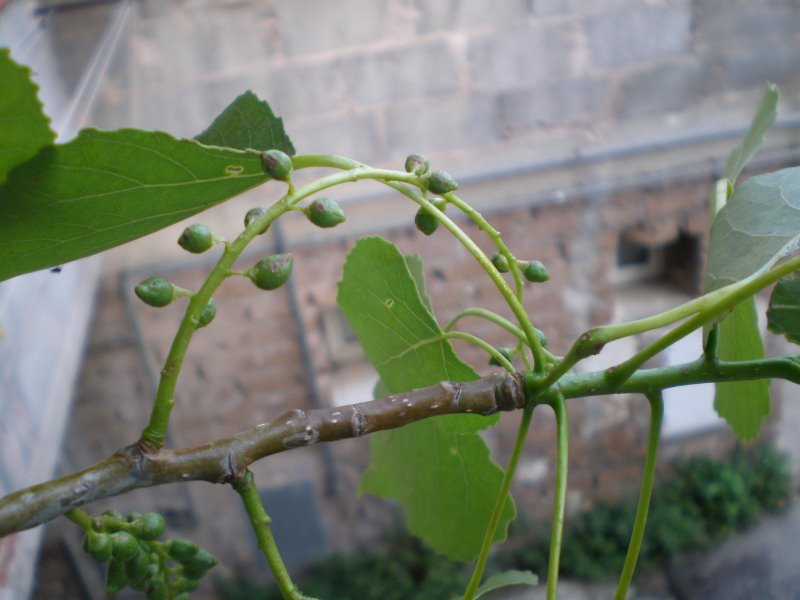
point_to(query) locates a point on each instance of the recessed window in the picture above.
(674, 261)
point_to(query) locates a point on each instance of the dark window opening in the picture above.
(676, 262)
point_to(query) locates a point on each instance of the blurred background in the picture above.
(590, 133)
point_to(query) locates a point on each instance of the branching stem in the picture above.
(560, 501)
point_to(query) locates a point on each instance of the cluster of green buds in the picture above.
(157, 291)
(533, 270)
(436, 182)
(137, 559)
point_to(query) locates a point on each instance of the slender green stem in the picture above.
(656, 401)
(560, 501)
(483, 344)
(500, 322)
(500, 503)
(736, 294)
(155, 432)
(80, 518)
(262, 527)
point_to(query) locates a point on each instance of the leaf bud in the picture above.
(325, 212)
(252, 215)
(116, 577)
(98, 545)
(276, 164)
(196, 238)
(417, 164)
(206, 316)
(124, 546)
(500, 263)
(507, 354)
(271, 272)
(150, 526)
(181, 549)
(440, 182)
(155, 291)
(535, 272)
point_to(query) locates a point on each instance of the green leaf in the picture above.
(417, 270)
(105, 188)
(783, 315)
(248, 124)
(25, 128)
(500, 580)
(439, 469)
(743, 404)
(762, 122)
(763, 218)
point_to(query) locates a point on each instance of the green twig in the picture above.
(81, 518)
(482, 344)
(656, 401)
(560, 501)
(262, 527)
(500, 502)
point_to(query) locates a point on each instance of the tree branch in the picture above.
(223, 461)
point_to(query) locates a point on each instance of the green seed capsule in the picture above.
(156, 590)
(116, 577)
(202, 560)
(181, 549)
(98, 545)
(507, 354)
(417, 164)
(535, 272)
(252, 215)
(500, 263)
(136, 569)
(125, 546)
(425, 222)
(440, 182)
(196, 239)
(155, 291)
(207, 315)
(542, 337)
(272, 272)
(133, 516)
(188, 584)
(325, 212)
(276, 164)
(110, 512)
(151, 525)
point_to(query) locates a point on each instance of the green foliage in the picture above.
(703, 501)
(247, 123)
(509, 578)
(743, 404)
(26, 129)
(782, 315)
(445, 457)
(762, 123)
(105, 188)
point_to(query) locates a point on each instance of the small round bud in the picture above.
(272, 272)
(151, 525)
(417, 164)
(325, 212)
(425, 222)
(440, 182)
(252, 215)
(507, 354)
(535, 272)
(155, 291)
(196, 239)
(133, 516)
(206, 316)
(182, 596)
(124, 546)
(181, 549)
(156, 590)
(542, 337)
(136, 569)
(276, 164)
(98, 545)
(116, 577)
(115, 514)
(188, 583)
(202, 560)
(500, 263)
